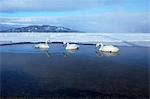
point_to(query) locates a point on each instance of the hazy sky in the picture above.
(84, 15)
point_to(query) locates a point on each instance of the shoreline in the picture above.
(125, 39)
(142, 43)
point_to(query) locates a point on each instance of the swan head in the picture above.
(64, 43)
(67, 43)
(47, 40)
(99, 44)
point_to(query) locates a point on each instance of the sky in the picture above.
(83, 15)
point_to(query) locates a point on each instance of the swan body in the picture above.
(42, 45)
(71, 46)
(108, 48)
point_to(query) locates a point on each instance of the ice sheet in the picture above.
(129, 39)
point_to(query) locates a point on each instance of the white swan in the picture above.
(108, 48)
(43, 45)
(71, 46)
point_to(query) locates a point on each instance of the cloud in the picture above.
(108, 22)
(53, 5)
(84, 15)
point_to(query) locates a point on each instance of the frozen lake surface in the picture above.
(125, 39)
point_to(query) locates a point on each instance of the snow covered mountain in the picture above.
(38, 28)
(4, 27)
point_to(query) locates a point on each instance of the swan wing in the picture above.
(72, 46)
(41, 46)
(110, 49)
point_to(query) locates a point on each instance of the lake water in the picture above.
(29, 72)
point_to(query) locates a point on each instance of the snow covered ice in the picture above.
(124, 39)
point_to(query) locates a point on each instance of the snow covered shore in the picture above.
(128, 39)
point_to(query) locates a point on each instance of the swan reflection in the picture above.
(69, 52)
(44, 50)
(107, 54)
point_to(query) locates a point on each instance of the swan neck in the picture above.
(64, 43)
(101, 46)
(46, 42)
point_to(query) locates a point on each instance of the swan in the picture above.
(43, 45)
(108, 48)
(71, 46)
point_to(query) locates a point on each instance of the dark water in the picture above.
(29, 72)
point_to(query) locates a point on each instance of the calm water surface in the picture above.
(29, 72)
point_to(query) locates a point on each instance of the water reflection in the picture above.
(107, 54)
(66, 53)
(69, 52)
(79, 75)
(45, 51)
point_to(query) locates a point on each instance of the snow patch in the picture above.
(129, 39)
